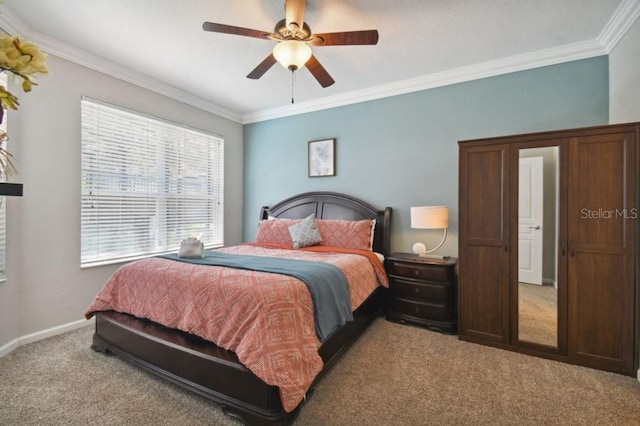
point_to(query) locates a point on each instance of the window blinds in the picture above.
(147, 184)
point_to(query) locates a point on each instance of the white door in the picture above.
(530, 191)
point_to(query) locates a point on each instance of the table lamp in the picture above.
(429, 217)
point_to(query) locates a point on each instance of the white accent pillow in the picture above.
(305, 233)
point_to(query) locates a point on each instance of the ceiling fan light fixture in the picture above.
(292, 54)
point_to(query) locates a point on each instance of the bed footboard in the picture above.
(215, 373)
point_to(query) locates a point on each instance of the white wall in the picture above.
(46, 287)
(624, 82)
(624, 78)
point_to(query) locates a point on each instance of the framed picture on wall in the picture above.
(322, 158)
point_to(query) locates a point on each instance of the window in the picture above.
(147, 184)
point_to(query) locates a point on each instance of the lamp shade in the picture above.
(292, 54)
(430, 217)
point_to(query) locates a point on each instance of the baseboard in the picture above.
(34, 337)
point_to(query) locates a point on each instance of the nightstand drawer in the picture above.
(421, 310)
(423, 291)
(421, 272)
(435, 293)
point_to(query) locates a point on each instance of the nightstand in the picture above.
(423, 291)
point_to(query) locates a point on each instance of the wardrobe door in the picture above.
(484, 251)
(601, 250)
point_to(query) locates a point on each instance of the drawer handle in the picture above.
(417, 291)
(417, 310)
(416, 273)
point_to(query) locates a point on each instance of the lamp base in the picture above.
(421, 250)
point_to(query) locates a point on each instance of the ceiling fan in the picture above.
(294, 37)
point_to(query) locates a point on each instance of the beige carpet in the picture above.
(538, 313)
(394, 375)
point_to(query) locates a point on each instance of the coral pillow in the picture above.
(275, 231)
(349, 234)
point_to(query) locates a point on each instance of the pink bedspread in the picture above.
(266, 319)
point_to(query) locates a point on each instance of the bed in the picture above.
(201, 366)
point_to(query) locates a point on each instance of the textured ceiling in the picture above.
(163, 41)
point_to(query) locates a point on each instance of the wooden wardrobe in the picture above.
(584, 310)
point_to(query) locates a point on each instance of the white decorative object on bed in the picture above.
(191, 248)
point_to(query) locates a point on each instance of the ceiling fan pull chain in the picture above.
(292, 83)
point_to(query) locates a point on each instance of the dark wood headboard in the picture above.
(332, 205)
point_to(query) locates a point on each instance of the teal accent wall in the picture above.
(402, 151)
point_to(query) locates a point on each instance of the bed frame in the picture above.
(215, 373)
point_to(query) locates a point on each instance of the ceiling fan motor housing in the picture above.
(300, 34)
(294, 15)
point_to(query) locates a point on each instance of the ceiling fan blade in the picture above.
(346, 38)
(230, 29)
(294, 13)
(318, 71)
(262, 67)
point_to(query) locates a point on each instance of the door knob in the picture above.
(535, 227)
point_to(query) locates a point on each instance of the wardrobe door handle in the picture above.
(572, 248)
(563, 247)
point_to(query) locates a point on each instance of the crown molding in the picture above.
(12, 24)
(566, 53)
(621, 20)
